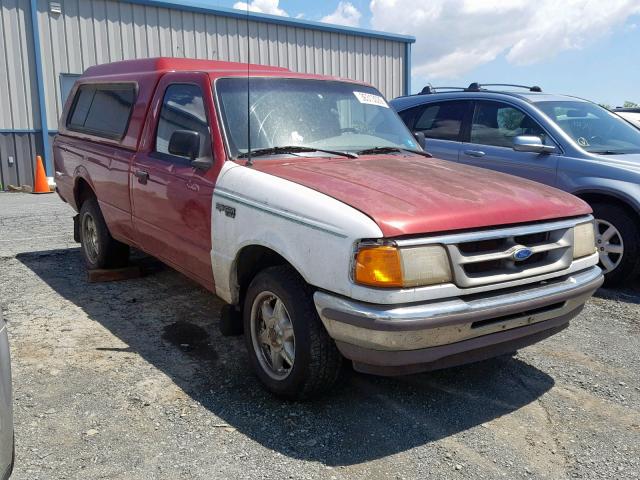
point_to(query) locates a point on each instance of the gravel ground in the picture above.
(131, 380)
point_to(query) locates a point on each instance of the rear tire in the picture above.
(618, 243)
(289, 348)
(99, 248)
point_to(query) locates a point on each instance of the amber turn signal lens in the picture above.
(379, 267)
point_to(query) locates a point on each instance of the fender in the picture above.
(312, 231)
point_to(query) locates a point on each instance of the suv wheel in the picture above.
(618, 243)
(289, 348)
(99, 248)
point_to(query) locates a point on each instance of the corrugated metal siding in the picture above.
(17, 151)
(90, 32)
(18, 89)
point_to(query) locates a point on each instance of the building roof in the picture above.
(201, 6)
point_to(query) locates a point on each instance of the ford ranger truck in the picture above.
(305, 203)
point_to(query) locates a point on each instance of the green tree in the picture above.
(628, 104)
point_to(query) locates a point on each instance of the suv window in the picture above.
(593, 128)
(182, 109)
(102, 110)
(442, 120)
(496, 124)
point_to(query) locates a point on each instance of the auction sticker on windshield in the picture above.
(371, 99)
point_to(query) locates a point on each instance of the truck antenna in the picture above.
(249, 159)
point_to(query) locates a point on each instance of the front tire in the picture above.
(618, 243)
(99, 248)
(289, 348)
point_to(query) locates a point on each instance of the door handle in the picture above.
(474, 153)
(142, 176)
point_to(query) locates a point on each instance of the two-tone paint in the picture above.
(312, 212)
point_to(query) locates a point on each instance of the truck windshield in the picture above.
(593, 128)
(263, 113)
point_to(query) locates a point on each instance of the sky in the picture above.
(587, 48)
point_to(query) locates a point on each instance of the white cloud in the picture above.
(455, 36)
(262, 6)
(345, 14)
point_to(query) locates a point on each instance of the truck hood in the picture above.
(408, 195)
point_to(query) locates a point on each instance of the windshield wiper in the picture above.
(260, 152)
(377, 150)
(609, 152)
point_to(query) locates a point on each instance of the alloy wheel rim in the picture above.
(272, 335)
(90, 237)
(609, 244)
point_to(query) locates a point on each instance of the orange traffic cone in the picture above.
(41, 185)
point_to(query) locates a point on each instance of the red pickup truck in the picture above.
(304, 203)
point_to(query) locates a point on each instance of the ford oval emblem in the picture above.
(521, 254)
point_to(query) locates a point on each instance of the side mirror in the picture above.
(185, 143)
(531, 143)
(422, 141)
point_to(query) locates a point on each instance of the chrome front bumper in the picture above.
(418, 335)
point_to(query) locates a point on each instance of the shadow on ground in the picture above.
(627, 294)
(171, 323)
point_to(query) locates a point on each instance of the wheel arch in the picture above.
(612, 198)
(249, 261)
(82, 191)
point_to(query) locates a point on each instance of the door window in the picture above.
(497, 124)
(183, 109)
(442, 120)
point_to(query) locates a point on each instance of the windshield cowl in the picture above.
(293, 150)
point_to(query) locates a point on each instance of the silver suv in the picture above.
(563, 141)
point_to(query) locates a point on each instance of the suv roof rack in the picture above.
(431, 89)
(477, 87)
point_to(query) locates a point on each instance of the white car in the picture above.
(6, 406)
(632, 115)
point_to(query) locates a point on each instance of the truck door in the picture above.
(171, 198)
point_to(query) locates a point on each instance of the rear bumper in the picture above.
(397, 339)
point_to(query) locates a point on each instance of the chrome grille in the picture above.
(492, 261)
(485, 257)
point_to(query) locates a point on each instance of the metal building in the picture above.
(45, 45)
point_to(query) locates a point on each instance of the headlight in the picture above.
(388, 266)
(584, 240)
